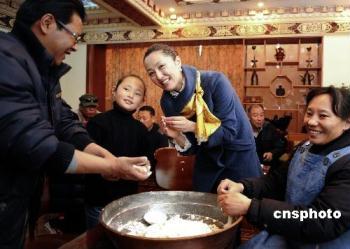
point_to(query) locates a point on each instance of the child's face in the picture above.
(130, 94)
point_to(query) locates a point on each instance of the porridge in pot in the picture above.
(174, 226)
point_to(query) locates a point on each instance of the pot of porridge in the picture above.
(193, 220)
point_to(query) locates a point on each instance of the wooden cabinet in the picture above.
(281, 72)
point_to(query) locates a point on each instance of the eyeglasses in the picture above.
(76, 37)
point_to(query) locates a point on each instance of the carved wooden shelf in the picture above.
(309, 68)
(258, 86)
(305, 86)
(248, 69)
(284, 63)
(281, 84)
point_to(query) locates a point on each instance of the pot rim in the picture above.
(114, 231)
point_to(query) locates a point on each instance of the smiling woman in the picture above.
(204, 116)
(325, 117)
(316, 183)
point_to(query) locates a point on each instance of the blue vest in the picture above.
(306, 178)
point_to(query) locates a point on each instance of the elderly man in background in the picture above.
(87, 108)
(270, 144)
(146, 115)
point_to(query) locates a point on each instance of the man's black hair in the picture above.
(149, 109)
(32, 10)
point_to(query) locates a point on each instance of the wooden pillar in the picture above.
(96, 73)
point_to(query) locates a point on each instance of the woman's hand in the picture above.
(167, 130)
(228, 186)
(179, 123)
(230, 198)
(234, 204)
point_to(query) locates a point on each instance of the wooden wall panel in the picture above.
(223, 55)
(96, 73)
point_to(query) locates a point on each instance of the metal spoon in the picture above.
(229, 218)
(228, 222)
(155, 216)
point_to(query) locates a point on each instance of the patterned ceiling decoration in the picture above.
(217, 32)
(188, 2)
(124, 21)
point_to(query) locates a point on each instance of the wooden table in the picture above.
(92, 239)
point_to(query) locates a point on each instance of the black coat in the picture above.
(118, 132)
(268, 194)
(156, 141)
(270, 140)
(37, 129)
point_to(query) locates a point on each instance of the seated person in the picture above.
(270, 144)
(307, 204)
(87, 107)
(146, 115)
(158, 140)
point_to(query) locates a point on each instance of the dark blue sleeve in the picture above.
(224, 102)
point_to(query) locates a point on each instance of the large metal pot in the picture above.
(133, 207)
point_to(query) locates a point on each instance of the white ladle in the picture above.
(155, 216)
(229, 218)
(228, 222)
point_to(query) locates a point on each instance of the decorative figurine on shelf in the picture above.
(307, 78)
(280, 91)
(254, 80)
(280, 55)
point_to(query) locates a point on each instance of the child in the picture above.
(117, 131)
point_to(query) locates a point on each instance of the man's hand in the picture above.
(129, 168)
(97, 150)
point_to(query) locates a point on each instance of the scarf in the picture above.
(206, 122)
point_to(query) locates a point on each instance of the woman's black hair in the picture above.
(340, 99)
(32, 10)
(166, 49)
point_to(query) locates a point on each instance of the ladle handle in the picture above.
(229, 222)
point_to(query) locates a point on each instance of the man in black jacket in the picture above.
(146, 115)
(158, 140)
(270, 144)
(37, 129)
